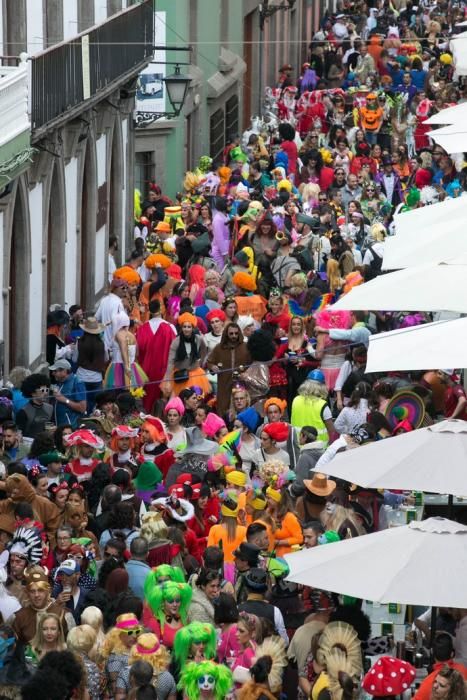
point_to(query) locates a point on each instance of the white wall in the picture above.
(35, 26)
(1, 30)
(100, 11)
(36, 279)
(71, 245)
(101, 155)
(124, 176)
(100, 260)
(70, 18)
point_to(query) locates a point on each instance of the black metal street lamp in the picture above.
(177, 88)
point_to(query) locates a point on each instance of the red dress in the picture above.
(153, 354)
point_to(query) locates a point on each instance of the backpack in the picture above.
(374, 268)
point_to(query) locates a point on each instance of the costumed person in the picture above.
(165, 609)
(194, 642)
(116, 650)
(123, 446)
(147, 480)
(149, 649)
(187, 354)
(19, 490)
(39, 601)
(153, 339)
(123, 371)
(339, 654)
(287, 530)
(174, 411)
(86, 443)
(248, 303)
(228, 534)
(205, 681)
(154, 447)
(227, 359)
(267, 671)
(310, 407)
(389, 677)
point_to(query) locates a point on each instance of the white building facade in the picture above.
(67, 76)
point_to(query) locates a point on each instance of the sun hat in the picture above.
(320, 485)
(92, 325)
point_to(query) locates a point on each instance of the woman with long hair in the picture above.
(315, 171)
(49, 637)
(230, 308)
(298, 355)
(166, 607)
(371, 201)
(187, 354)
(124, 371)
(206, 587)
(263, 241)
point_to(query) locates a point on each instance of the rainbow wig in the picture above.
(194, 633)
(167, 593)
(164, 571)
(189, 679)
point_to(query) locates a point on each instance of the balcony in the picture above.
(14, 119)
(73, 75)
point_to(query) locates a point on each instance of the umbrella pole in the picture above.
(450, 507)
(434, 610)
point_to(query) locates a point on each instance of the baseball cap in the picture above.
(60, 364)
(69, 567)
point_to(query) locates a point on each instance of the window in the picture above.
(54, 22)
(85, 14)
(231, 117)
(113, 6)
(145, 171)
(217, 134)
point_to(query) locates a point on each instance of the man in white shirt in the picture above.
(109, 307)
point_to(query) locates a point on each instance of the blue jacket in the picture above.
(137, 572)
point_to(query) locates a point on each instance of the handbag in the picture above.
(180, 376)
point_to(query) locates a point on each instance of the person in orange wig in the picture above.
(154, 448)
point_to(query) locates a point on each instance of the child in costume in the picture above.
(149, 649)
(205, 681)
(165, 609)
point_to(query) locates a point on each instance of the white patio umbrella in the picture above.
(458, 46)
(421, 563)
(423, 288)
(429, 459)
(452, 138)
(450, 115)
(433, 345)
(431, 234)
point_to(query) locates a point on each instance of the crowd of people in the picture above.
(180, 443)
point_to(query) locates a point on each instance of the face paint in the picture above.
(206, 683)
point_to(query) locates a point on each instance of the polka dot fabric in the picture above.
(388, 676)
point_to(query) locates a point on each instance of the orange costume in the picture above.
(218, 534)
(291, 531)
(251, 305)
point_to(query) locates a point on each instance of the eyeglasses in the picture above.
(63, 538)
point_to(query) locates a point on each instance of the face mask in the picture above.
(206, 683)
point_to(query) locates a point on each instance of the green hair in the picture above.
(190, 675)
(168, 591)
(152, 580)
(198, 633)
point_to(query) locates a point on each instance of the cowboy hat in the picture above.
(92, 325)
(320, 485)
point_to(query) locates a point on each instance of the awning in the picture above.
(424, 288)
(450, 115)
(428, 235)
(431, 346)
(452, 138)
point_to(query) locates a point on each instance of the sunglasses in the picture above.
(133, 632)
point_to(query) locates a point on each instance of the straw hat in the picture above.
(92, 325)
(320, 485)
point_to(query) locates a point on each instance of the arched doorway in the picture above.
(20, 263)
(116, 190)
(56, 230)
(88, 228)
